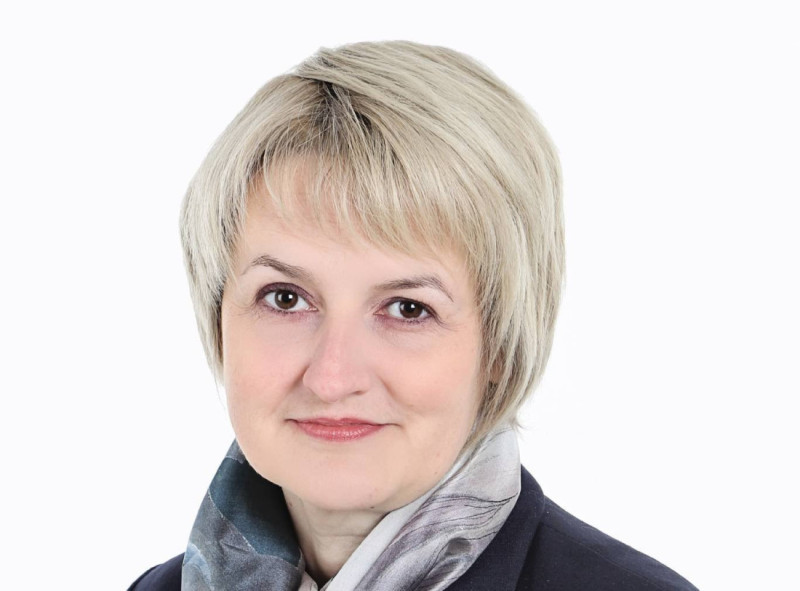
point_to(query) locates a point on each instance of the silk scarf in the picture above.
(243, 538)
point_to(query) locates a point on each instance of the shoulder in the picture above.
(566, 553)
(164, 577)
(543, 547)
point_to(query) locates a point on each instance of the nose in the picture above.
(338, 367)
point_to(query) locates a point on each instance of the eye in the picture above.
(285, 300)
(407, 310)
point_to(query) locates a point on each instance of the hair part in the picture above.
(413, 148)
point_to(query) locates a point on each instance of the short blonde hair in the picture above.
(413, 147)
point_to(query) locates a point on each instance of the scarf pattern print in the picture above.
(243, 538)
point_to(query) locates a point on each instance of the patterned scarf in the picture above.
(243, 538)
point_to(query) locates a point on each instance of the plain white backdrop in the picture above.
(668, 415)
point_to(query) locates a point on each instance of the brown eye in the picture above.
(410, 309)
(407, 310)
(286, 300)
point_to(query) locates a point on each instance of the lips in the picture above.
(341, 430)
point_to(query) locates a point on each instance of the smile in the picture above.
(337, 429)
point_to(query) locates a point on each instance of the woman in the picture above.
(375, 251)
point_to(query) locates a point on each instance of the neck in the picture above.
(328, 538)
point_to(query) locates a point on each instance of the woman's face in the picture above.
(352, 373)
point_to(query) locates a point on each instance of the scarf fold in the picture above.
(243, 538)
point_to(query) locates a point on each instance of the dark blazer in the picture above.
(540, 547)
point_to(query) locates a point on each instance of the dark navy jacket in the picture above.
(540, 547)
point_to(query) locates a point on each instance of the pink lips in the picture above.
(346, 429)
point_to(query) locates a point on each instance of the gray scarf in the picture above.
(243, 538)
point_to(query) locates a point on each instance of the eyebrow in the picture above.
(301, 274)
(415, 282)
(289, 270)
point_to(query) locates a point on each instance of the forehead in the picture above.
(292, 200)
(297, 234)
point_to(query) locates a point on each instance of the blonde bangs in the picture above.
(370, 195)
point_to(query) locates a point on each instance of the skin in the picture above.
(312, 329)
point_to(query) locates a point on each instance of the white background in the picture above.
(667, 417)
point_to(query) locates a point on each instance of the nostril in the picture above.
(331, 380)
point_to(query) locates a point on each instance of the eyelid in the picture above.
(429, 312)
(274, 287)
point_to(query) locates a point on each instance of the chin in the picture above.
(342, 486)
(370, 475)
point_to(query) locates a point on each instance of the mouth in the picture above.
(341, 430)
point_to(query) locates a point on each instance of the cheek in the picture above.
(259, 372)
(442, 384)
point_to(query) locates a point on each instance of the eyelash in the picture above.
(260, 302)
(428, 313)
